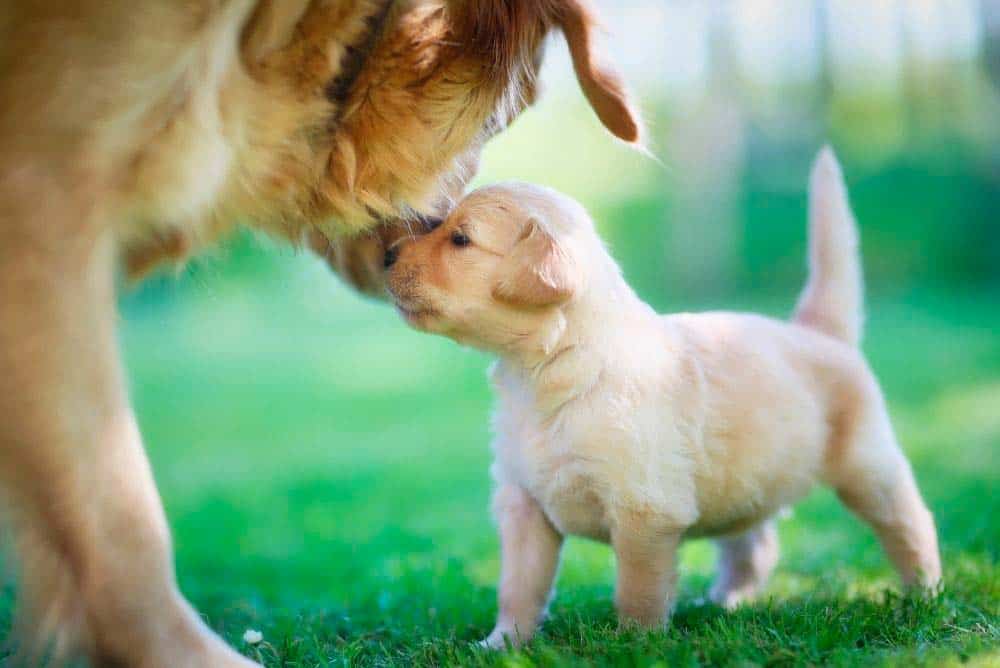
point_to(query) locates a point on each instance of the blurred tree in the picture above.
(990, 18)
(706, 146)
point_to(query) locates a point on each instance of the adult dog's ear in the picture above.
(602, 85)
(537, 271)
(509, 32)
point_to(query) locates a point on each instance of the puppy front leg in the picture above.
(530, 548)
(647, 574)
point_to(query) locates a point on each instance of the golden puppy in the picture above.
(139, 131)
(641, 430)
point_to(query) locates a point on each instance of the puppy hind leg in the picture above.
(874, 479)
(745, 563)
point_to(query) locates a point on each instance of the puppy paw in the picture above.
(731, 598)
(500, 639)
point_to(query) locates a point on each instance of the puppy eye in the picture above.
(459, 239)
(432, 223)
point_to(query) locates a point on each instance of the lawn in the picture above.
(325, 472)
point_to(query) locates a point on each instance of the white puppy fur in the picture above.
(625, 426)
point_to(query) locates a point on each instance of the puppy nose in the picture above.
(391, 255)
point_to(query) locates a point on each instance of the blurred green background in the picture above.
(326, 469)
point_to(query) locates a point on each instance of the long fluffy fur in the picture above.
(393, 139)
(398, 135)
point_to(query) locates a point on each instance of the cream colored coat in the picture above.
(625, 426)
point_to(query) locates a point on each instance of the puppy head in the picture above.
(495, 269)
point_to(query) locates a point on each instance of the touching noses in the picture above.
(392, 253)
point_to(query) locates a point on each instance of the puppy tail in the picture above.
(832, 301)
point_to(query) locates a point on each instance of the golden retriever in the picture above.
(641, 430)
(132, 133)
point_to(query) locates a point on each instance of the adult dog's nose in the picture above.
(391, 255)
(431, 223)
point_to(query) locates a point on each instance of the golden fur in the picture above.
(137, 132)
(641, 430)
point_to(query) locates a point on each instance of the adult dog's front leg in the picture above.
(530, 557)
(91, 541)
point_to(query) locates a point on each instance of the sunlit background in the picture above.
(738, 97)
(319, 461)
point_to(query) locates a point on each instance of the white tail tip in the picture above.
(826, 174)
(832, 299)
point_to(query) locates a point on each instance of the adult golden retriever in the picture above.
(132, 133)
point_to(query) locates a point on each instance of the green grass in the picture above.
(325, 472)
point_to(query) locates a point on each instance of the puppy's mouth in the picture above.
(410, 305)
(414, 312)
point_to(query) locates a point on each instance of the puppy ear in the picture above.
(536, 271)
(602, 85)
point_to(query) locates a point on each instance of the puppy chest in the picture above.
(568, 488)
(576, 503)
(570, 480)
(571, 490)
